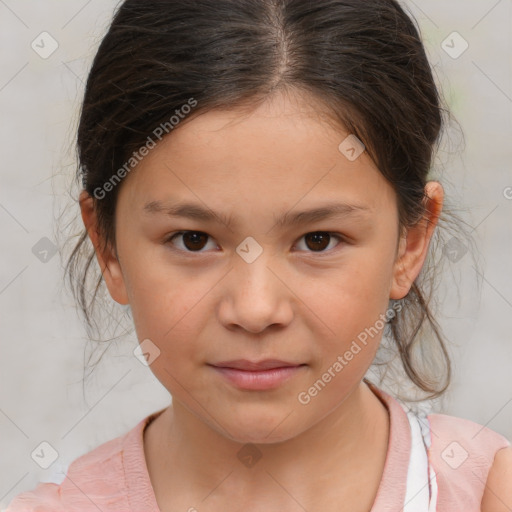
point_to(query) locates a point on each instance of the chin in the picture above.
(263, 428)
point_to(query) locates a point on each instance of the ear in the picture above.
(413, 247)
(107, 259)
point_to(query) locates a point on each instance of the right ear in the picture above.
(107, 259)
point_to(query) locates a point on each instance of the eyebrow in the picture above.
(198, 212)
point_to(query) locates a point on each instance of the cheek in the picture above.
(168, 308)
(157, 296)
(171, 320)
(349, 304)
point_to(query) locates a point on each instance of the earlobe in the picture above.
(106, 256)
(413, 247)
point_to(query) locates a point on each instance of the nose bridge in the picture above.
(255, 297)
(256, 277)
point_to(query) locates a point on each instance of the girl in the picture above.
(255, 186)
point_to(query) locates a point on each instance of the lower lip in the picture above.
(258, 380)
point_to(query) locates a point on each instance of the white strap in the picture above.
(421, 489)
(57, 474)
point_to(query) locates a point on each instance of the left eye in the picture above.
(318, 241)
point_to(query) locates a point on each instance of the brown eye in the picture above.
(193, 241)
(318, 241)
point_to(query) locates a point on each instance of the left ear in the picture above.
(413, 247)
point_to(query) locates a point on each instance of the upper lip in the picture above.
(245, 364)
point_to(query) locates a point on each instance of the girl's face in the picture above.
(252, 278)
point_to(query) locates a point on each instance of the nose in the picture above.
(255, 296)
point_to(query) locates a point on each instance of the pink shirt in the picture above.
(114, 478)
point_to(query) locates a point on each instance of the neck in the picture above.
(341, 445)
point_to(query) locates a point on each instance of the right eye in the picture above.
(192, 241)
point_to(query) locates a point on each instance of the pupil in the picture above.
(319, 238)
(193, 238)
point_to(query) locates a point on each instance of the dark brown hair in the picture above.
(363, 60)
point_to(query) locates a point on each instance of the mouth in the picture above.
(245, 364)
(252, 375)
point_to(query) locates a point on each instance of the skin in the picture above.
(291, 303)
(498, 489)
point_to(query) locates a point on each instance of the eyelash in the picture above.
(169, 239)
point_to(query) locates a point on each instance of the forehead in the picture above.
(284, 152)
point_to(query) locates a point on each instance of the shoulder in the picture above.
(449, 433)
(97, 473)
(498, 489)
(471, 461)
(44, 498)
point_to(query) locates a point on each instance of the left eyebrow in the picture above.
(198, 212)
(322, 213)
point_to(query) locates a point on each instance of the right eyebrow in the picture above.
(186, 210)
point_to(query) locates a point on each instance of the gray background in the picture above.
(43, 343)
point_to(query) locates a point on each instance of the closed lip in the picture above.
(245, 364)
